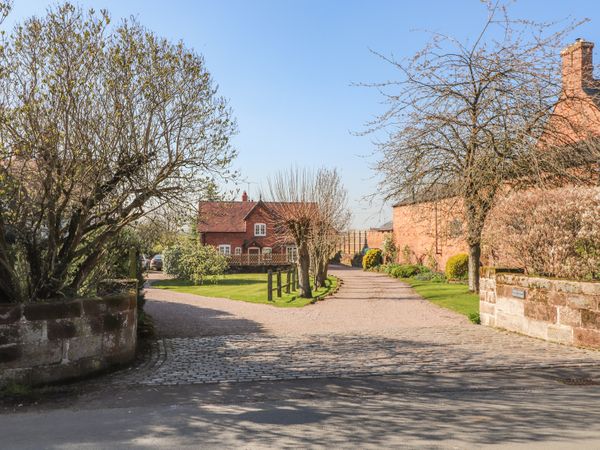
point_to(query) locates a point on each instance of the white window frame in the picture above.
(225, 249)
(260, 229)
(238, 250)
(292, 253)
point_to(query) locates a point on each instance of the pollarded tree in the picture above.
(294, 215)
(98, 124)
(310, 208)
(332, 216)
(465, 121)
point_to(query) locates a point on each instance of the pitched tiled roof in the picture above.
(224, 217)
(385, 227)
(230, 217)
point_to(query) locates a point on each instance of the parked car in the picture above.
(156, 262)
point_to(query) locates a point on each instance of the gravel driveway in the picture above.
(367, 303)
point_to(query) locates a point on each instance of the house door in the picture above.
(253, 255)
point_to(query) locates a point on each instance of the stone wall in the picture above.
(54, 341)
(555, 310)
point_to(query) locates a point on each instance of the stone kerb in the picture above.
(555, 310)
(54, 341)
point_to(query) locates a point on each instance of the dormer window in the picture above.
(260, 229)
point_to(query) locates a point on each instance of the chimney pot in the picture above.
(244, 197)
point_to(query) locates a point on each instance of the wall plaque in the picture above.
(518, 293)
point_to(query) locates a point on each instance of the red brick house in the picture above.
(245, 232)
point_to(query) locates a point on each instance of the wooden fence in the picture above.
(291, 283)
(353, 241)
(259, 260)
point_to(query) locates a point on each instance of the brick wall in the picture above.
(415, 229)
(375, 238)
(555, 310)
(47, 342)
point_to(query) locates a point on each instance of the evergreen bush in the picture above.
(457, 267)
(372, 258)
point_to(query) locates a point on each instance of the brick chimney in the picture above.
(577, 67)
(244, 197)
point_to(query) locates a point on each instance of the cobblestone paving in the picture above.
(426, 350)
(375, 326)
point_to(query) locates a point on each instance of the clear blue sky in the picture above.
(287, 68)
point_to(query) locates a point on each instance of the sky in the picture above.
(290, 70)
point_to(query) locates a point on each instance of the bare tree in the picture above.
(465, 120)
(294, 216)
(310, 208)
(99, 124)
(331, 200)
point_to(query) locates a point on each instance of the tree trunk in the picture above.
(474, 260)
(321, 273)
(304, 271)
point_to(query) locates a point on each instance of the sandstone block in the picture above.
(586, 338)
(510, 306)
(537, 328)
(569, 316)
(512, 322)
(561, 334)
(540, 311)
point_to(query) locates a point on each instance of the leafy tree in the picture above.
(99, 125)
(189, 260)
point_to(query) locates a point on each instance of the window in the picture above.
(260, 229)
(238, 250)
(225, 249)
(292, 253)
(267, 253)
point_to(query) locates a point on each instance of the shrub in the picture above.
(372, 258)
(388, 248)
(337, 258)
(475, 318)
(405, 270)
(357, 260)
(188, 260)
(457, 267)
(406, 254)
(550, 233)
(436, 277)
(172, 258)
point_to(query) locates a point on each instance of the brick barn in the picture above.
(429, 231)
(245, 232)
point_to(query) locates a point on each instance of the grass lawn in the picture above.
(247, 287)
(451, 296)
